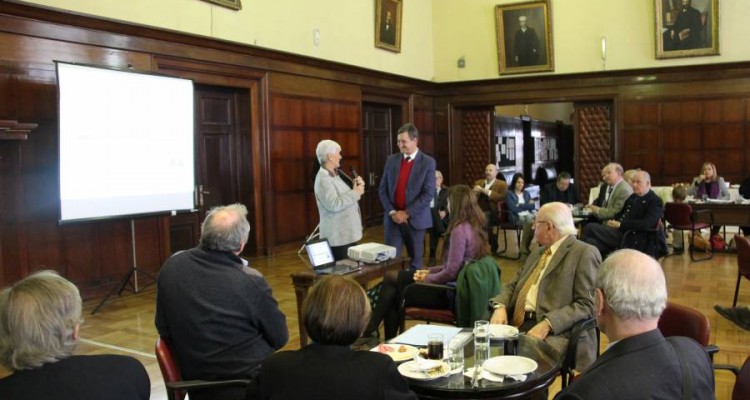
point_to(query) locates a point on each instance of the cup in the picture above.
(510, 345)
(456, 354)
(704, 197)
(481, 342)
(435, 346)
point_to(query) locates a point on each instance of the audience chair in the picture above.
(568, 366)
(655, 244)
(679, 320)
(170, 370)
(681, 217)
(478, 281)
(504, 224)
(743, 263)
(741, 389)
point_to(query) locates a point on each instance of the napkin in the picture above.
(494, 377)
(423, 364)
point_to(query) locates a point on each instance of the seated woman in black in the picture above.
(39, 321)
(334, 313)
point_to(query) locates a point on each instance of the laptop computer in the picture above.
(321, 258)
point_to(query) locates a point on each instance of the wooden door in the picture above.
(379, 125)
(221, 122)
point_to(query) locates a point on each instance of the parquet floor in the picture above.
(125, 325)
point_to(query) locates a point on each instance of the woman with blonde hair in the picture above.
(466, 240)
(40, 318)
(334, 313)
(710, 185)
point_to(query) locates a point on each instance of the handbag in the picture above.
(717, 242)
(700, 243)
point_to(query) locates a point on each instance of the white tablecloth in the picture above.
(665, 192)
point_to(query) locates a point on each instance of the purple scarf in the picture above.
(711, 189)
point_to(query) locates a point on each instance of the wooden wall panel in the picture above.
(478, 130)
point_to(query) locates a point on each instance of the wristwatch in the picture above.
(493, 305)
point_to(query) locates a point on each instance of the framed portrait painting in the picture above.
(524, 37)
(388, 25)
(687, 28)
(233, 4)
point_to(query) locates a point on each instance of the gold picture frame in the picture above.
(676, 24)
(388, 25)
(233, 4)
(524, 37)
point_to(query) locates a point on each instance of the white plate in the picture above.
(502, 331)
(408, 370)
(393, 351)
(510, 365)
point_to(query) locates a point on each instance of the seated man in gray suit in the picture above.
(612, 194)
(631, 294)
(552, 290)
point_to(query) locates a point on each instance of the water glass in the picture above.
(510, 345)
(435, 346)
(481, 342)
(456, 354)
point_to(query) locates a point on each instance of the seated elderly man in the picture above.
(631, 294)
(551, 292)
(219, 314)
(612, 194)
(642, 211)
(40, 318)
(561, 190)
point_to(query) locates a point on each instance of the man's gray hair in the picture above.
(38, 316)
(225, 228)
(326, 147)
(560, 216)
(616, 166)
(410, 129)
(633, 285)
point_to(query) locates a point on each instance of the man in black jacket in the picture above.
(218, 313)
(642, 211)
(561, 190)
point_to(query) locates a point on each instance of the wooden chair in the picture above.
(504, 224)
(679, 320)
(743, 263)
(170, 371)
(681, 217)
(741, 390)
(655, 244)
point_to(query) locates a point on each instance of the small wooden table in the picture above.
(725, 214)
(304, 279)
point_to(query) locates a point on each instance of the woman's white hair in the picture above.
(326, 147)
(38, 316)
(633, 285)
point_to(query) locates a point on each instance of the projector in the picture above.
(371, 252)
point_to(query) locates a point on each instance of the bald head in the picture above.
(633, 286)
(490, 172)
(225, 229)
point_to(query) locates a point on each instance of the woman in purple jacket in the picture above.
(467, 240)
(709, 185)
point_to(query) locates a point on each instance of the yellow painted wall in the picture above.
(435, 32)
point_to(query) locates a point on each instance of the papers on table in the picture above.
(417, 335)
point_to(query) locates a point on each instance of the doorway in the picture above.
(379, 124)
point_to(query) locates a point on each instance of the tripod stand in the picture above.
(133, 273)
(315, 232)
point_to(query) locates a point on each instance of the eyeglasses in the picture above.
(537, 222)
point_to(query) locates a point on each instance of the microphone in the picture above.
(350, 179)
(353, 171)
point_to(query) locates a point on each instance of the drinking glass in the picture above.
(456, 354)
(481, 342)
(510, 345)
(435, 346)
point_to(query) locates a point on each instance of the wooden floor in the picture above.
(125, 325)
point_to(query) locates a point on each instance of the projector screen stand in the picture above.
(131, 274)
(315, 233)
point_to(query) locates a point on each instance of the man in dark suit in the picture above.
(489, 191)
(439, 211)
(642, 211)
(406, 189)
(630, 295)
(526, 45)
(561, 190)
(551, 292)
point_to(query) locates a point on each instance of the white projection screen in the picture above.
(126, 143)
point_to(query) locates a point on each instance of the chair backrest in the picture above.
(170, 370)
(741, 389)
(679, 320)
(743, 255)
(678, 213)
(477, 282)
